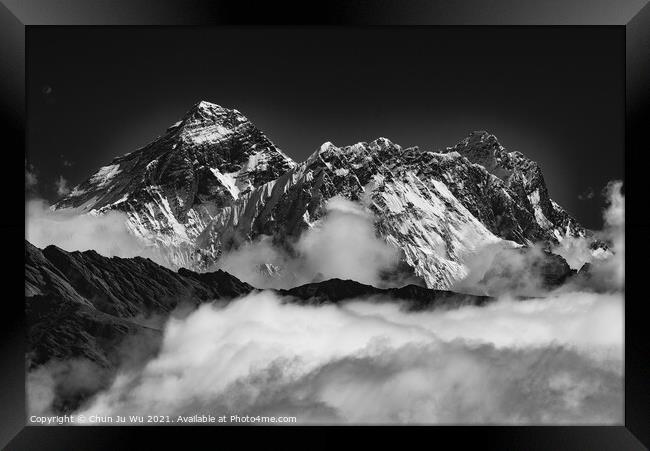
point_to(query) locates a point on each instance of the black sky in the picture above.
(555, 94)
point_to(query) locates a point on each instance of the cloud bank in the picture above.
(556, 359)
(68, 229)
(342, 245)
(540, 361)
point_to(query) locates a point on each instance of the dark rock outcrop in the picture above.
(83, 305)
(413, 297)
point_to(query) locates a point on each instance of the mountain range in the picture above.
(213, 181)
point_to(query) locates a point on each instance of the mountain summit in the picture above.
(172, 188)
(214, 181)
(521, 176)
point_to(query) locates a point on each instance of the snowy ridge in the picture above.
(172, 188)
(421, 217)
(524, 178)
(214, 181)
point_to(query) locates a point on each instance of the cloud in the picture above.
(501, 268)
(342, 245)
(31, 178)
(107, 234)
(614, 214)
(62, 187)
(56, 380)
(58, 386)
(557, 360)
(607, 265)
(345, 246)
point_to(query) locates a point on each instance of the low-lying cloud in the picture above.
(342, 245)
(501, 268)
(504, 268)
(57, 380)
(70, 230)
(554, 361)
(607, 266)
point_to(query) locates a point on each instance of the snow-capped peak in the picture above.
(383, 143)
(204, 110)
(206, 107)
(324, 148)
(171, 188)
(205, 104)
(360, 148)
(215, 180)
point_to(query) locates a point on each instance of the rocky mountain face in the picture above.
(82, 304)
(413, 297)
(524, 183)
(172, 188)
(213, 181)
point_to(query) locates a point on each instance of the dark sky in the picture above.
(554, 94)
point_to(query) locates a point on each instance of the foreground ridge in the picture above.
(82, 304)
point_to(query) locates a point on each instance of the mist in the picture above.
(540, 361)
(71, 230)
(504, 267)
(343, 245)
(610, 263)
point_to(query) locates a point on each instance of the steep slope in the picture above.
(171, 188)
(213, 181)
(81, 304)
(437, 208)
(524, 179)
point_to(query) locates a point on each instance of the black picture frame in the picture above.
(632, 15)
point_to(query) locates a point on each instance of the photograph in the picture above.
(329, 226)
(400, 220)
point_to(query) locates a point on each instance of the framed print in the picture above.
(372, 214)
